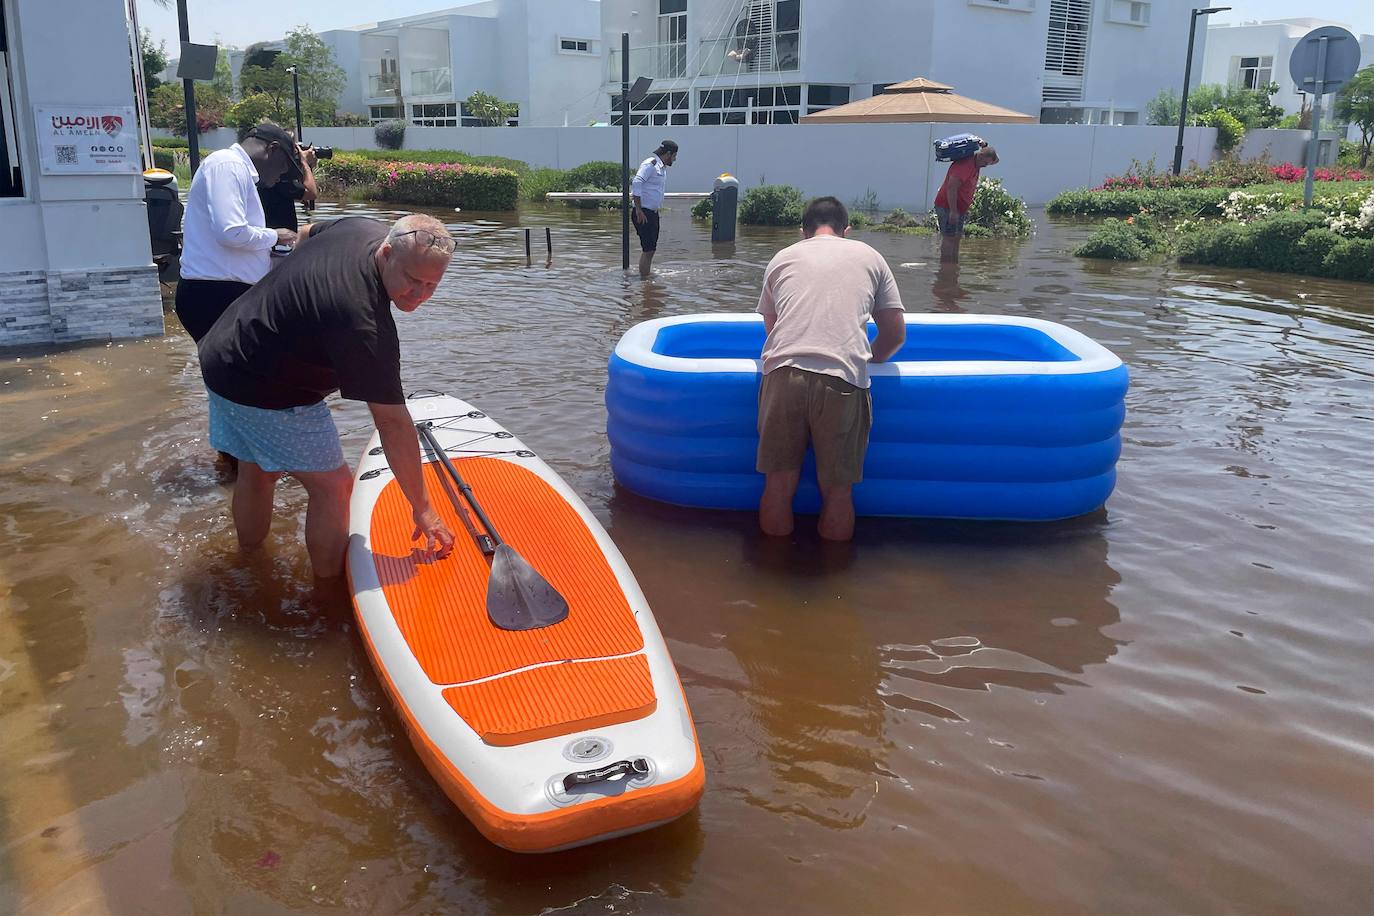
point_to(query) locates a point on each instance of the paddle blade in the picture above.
(518, 598)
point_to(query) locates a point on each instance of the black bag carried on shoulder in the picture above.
(959, 146)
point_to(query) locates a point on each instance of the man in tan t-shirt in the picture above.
(817, 298)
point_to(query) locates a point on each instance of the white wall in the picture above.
(70, 222)
(1270, 39)
(562, 84)
(347, 47)
(895, 160)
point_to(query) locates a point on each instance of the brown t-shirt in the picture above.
(823, 290)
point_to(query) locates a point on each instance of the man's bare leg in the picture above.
(837, 513)
(252, 504)
(949, 247)
(326, 518)
(646, 261)
(775, 509)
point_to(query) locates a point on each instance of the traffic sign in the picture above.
(1342, 59)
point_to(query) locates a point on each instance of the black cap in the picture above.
(668, 145)
(273, 133)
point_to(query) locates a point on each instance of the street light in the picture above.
(296, 93)
(1187, 75)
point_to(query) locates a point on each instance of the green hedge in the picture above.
(1285, 243)
(164, 158)
(771, 205)
(472, 187)
(1113, 241)
(1171, 202)
(172, 142)
(441, 156)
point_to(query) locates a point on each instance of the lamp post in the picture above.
(1187, 75)
(188, 88)
(296, 94)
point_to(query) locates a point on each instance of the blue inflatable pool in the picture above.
(978, 416)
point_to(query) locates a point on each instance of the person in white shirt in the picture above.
(647, 189)
(226, 247)
(817, 298)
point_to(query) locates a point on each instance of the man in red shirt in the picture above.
(956, 196)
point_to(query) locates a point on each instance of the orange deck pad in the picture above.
(440, 605)
(556, 700)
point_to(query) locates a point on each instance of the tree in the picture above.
(224, 73)
(490, 110)
(321, 78)
(1163, 108)
(251, 111)
(1355, 103)
(167, 108)
(154, 59)
(263, 73)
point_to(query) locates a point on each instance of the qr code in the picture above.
(66, 155)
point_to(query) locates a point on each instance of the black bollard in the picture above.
(724, 208)
(527, 246)
(548, 241)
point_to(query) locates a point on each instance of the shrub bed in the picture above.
(1285, 242)
(472, 187)
(771, 205)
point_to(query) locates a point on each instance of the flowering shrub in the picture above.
(1290, 172)
(452, 184)
(1226, 172)
(994, 213)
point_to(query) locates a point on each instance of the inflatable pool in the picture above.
(977, 416)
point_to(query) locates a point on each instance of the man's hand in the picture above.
(639, 216)
(286, 237)
(438, 537)
(308, 155)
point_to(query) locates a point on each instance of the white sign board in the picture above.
(87, 140)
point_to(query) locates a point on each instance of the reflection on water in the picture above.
(1162, 707)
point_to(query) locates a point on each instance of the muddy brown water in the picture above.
(1164, 707)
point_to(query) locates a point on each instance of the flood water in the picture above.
(1164, 707)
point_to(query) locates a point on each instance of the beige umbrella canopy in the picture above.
(918, 100)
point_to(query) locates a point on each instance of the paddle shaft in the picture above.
(463, 488)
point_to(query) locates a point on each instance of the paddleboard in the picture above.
(545, 738)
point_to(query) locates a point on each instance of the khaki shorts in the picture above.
(797, 407)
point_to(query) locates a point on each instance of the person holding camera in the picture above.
(226, 243)
(279, 200)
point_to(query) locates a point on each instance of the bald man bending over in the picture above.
(321, 322)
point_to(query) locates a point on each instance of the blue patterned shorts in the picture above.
(294, 439)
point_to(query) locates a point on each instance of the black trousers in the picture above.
(201, 302)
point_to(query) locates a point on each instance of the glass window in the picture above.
(680, 119)
(672, 6)
(791, 95)
(712, 99)
(788, 18)
(734, 117)
(784, 116)
(575, 44)
(827, 95)
(709, 117)
(1255, 72)
(11, 183)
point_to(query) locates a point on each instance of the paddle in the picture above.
(518, 598)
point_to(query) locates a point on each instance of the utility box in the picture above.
(724, 208)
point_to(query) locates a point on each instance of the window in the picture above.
(1129, 12)
(880, 88)
(577, 45)
(11, 184)
(441, 114)
(826, 96)
(672, 39)
(437, 81)
(384, 112)
(662, 108)
(1066, 44)
(1255, 72)
(751, 105)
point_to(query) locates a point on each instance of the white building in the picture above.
(772, 61)
(1250, 54)
(75, 260)
(543, 55)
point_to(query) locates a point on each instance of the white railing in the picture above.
(766, 52)
(382, 85)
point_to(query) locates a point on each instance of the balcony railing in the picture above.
(767, 52)
(382, 85)
(438, 81)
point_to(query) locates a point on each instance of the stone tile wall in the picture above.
(44, 307)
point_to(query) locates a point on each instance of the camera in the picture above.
(321, 152)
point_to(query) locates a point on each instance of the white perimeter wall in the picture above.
(895, 160)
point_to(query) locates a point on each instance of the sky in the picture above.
(243, 22)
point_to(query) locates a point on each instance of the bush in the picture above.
(390, 134)
(1229, 129)
(538, 182)
(1309, 254)
(164, 158)
(472, 187)
(997, 211)
(1113, 241)
(1350, 259)
(253, 110)
(1176, 202)
(1227, 245)
(172, 142)
(771, 205)
(601, 175)
(860, 220)
(1273, 239)
(443, 155)
(703, 208)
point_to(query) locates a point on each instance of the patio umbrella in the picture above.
(919, 100)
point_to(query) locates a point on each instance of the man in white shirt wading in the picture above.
(817, 298)
(646, 191)
(225, 245)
